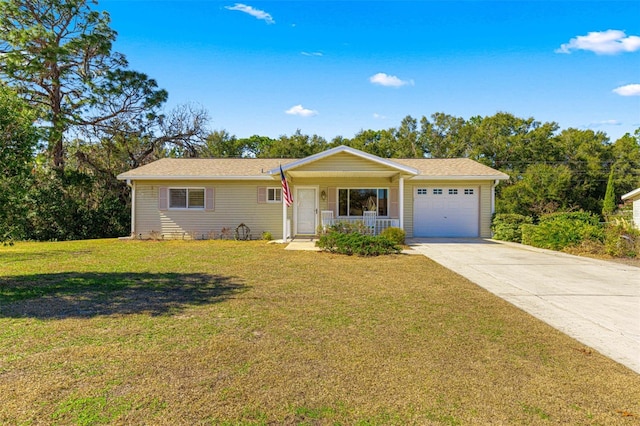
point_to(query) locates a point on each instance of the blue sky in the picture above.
(336, 67)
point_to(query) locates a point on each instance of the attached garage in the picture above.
(446, 211)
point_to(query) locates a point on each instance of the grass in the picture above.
(245, 333)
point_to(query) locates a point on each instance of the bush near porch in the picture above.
(350, 239)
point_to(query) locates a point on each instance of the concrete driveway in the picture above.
(595, 302)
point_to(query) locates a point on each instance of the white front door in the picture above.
(306, 211)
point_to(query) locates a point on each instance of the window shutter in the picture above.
(262, 194)
(162, 198)
(208, 198)
(331, 201)
(393, 203)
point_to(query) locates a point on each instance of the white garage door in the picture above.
(446, 211)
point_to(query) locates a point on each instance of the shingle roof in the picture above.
(206, 168)
(258, 168)
(434, 167)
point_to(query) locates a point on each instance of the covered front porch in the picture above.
(343, 186)
(364, 205)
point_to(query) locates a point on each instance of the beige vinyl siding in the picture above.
(485, 202)
(235, 203)
(408, 209)
(343, 162)
(485, 210)
(147, 216)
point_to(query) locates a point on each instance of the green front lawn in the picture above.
(225, 332)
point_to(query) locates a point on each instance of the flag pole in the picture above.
(284, 220)
(285, 203)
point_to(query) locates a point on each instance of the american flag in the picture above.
(286, 192)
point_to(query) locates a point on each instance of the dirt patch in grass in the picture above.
(596, 251)
(248, 333)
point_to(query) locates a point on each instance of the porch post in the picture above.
(493, 196)
(401, 201)
(284, 220)
(133, 206)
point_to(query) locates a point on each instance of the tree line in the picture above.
(73, 116)
(550, 169)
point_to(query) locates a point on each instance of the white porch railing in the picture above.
(380, 223)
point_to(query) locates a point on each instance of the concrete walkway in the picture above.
(306, 244)
(595, 302)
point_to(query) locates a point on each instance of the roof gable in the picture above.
(341, 152)
(342, 161)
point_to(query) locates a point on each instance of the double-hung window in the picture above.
(355, 201)
(186, 198)
(274, 195)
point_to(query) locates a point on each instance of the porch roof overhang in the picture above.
(391, 174)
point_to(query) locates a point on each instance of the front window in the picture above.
(186, 198)
(274, 195)
(355, 201)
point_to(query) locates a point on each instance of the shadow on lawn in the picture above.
(82, 295)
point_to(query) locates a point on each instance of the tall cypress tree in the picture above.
(609, 205)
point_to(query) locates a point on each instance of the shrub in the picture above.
(355, 243)
(508, 227)
(559, 230)
(622, 239)
(395, 235)
(266, 235)
(348, 228)
(578, 216)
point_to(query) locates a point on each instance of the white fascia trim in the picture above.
(164, 177)
(489, 178)
(343, 148)
(631, 195)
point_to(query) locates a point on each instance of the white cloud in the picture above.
(607, 42)
(379, 116)
(605, 123)
(256, 13)
(299, 110)
(628, 90)
(311, 53)
(388, 80)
